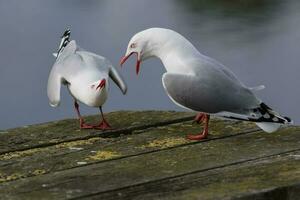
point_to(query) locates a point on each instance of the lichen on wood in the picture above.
(103, 155)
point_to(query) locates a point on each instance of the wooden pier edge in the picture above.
(147, 156)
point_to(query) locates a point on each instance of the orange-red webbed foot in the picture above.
(84, 125)
(104, 125)
(201, 117)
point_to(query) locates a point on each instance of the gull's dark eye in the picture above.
(92, 86)
(133, 45)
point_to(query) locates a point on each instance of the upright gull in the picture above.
(200, 83)
(86, 76)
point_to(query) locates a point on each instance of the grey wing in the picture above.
(118, 79)
(212, 63)
(208, 94)
(53, 88)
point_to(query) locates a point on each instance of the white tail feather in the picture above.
(55, 55)
(268, 127)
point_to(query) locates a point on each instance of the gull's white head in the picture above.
(146, 44)
(136, 46)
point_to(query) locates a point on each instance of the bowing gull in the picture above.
(199, 83)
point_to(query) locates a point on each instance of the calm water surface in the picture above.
(259, 40)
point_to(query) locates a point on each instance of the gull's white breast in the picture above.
(81, 71)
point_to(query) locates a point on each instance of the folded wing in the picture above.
(53, 89)
(118, 79)
(208, 94)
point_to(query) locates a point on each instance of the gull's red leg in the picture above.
(81, 121)
(199, 118)
(204, 133)
(103, 124)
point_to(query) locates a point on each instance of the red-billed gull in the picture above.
(86, 76)
(200, 83)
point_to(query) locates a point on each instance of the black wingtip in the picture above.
(65, 39)
(269, 115)
(289, 120)
(67, 33)
(264, 106)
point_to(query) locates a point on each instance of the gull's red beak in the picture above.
(101, 84)
(138, 62)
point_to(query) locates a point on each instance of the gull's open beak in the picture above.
(138, 61)
(101, 84)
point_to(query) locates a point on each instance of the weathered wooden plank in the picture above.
(275, 177)
(154, 166)
(32, 162)
(51, 133)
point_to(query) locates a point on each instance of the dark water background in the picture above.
(259, 40)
